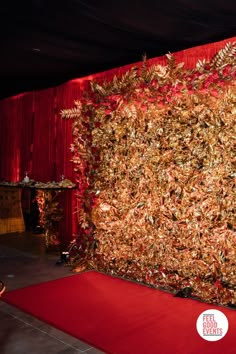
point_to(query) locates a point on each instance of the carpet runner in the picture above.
(121, 317)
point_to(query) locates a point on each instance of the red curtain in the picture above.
(34, 138)
(16, 119)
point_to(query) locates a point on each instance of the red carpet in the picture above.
(119, 316)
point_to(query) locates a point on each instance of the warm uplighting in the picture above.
(158, 143)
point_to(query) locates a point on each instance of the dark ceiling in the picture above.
(47, 42)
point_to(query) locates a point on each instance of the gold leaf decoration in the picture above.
(225, 56)
(71, 113)
(155, 153)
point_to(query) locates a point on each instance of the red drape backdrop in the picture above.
(34, 138)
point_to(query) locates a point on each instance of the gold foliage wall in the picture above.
(160, 168)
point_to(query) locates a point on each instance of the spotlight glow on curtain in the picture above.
(34, 138)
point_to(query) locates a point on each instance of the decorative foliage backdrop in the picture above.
(155, 150)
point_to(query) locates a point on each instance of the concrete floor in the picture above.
(24, 261)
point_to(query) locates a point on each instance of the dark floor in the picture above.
(25, 261)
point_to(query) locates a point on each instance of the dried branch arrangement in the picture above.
(155, 156)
